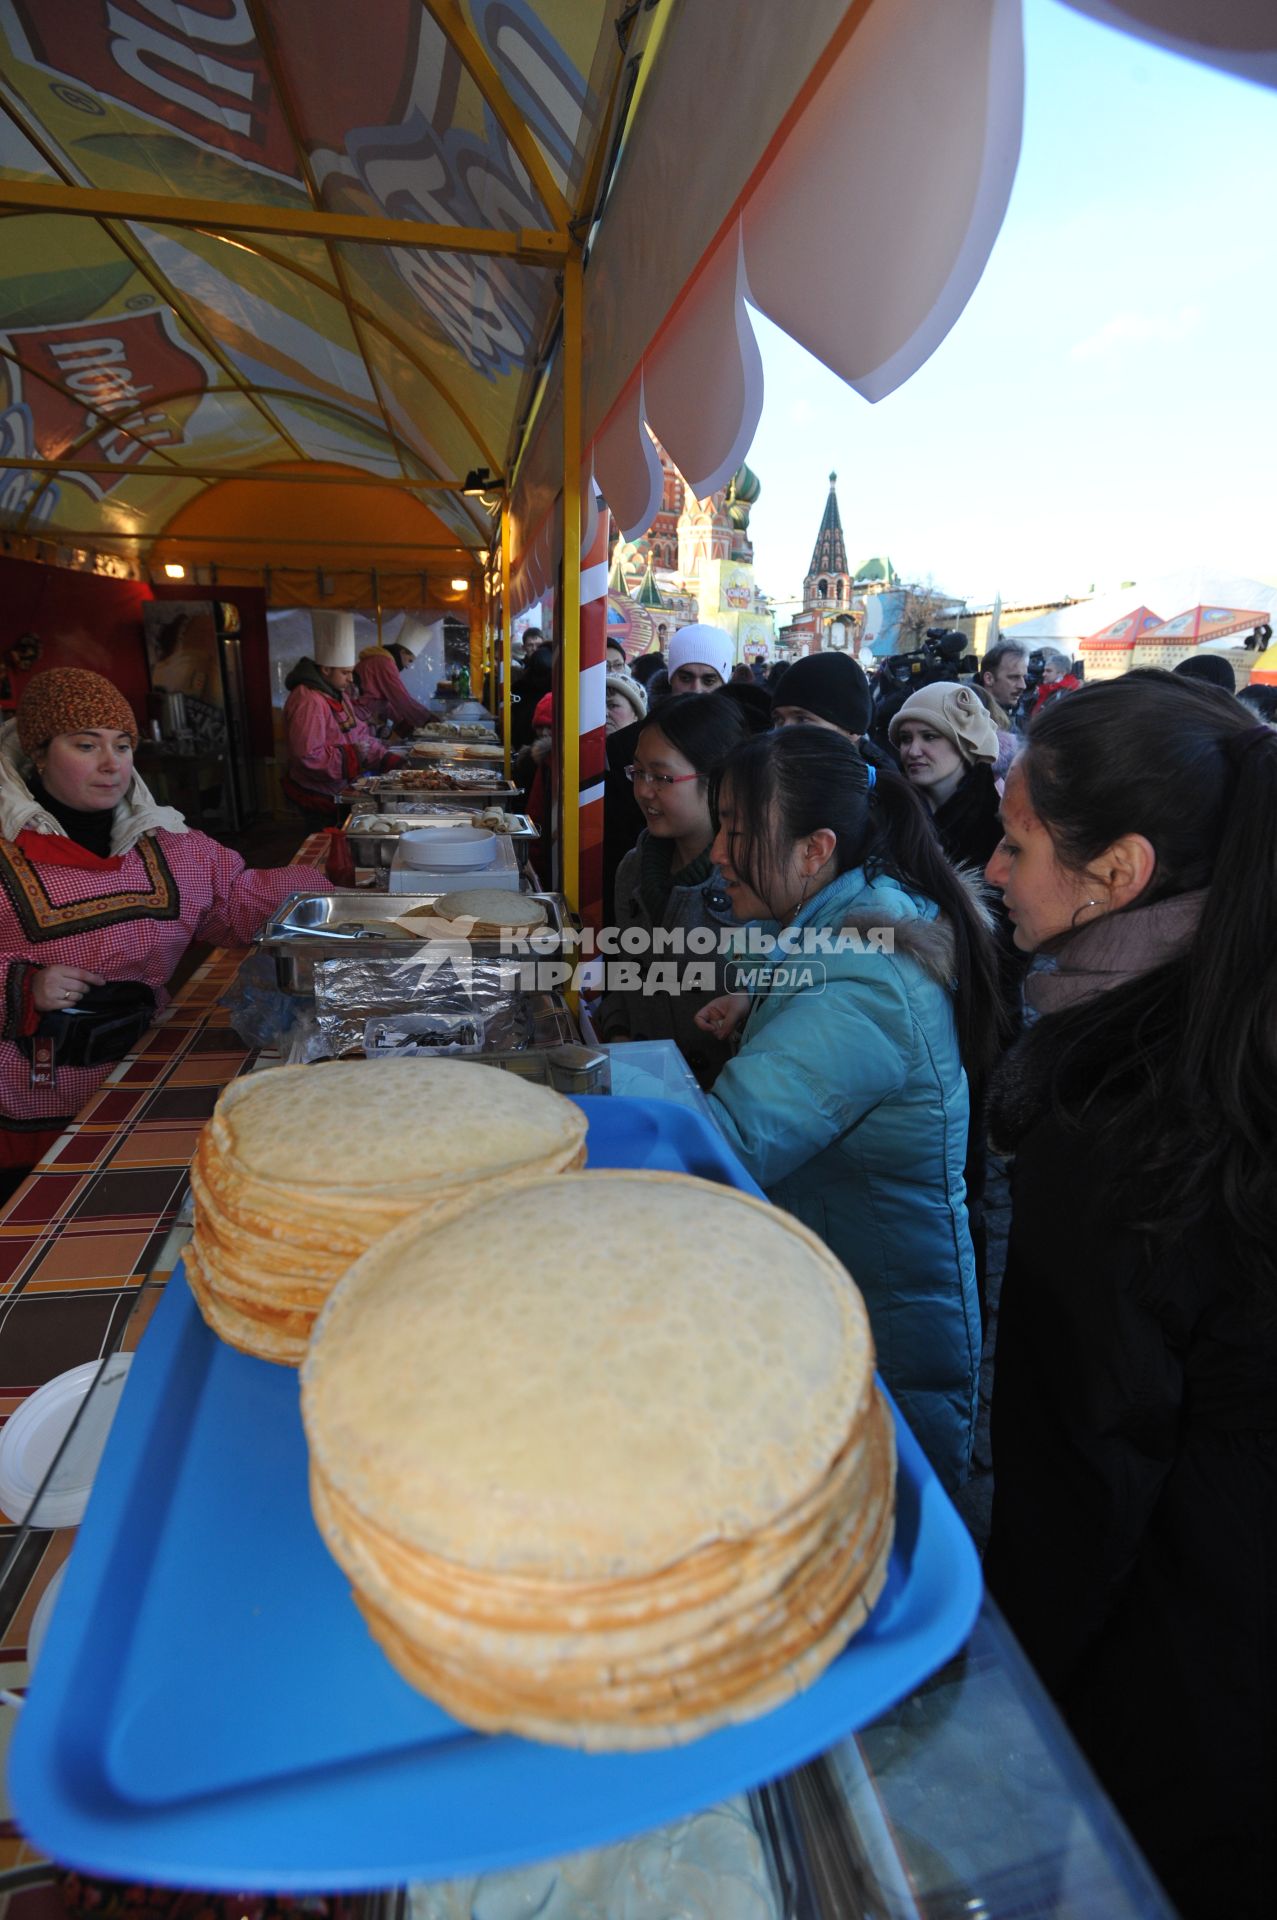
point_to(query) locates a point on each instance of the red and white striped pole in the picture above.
(593, 707)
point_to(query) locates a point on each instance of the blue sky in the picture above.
(1104, 408)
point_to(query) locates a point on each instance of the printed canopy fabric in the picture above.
(1125, 631)
(838, 190)
(127, 342)
(823, 208)
(1197, 625)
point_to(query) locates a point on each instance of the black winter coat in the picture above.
(1134, 1544)
(968, 823)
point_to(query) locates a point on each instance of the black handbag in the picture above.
(97, 1032)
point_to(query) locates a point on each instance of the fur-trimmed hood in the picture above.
(920, 932)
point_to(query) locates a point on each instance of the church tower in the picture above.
(827, 588)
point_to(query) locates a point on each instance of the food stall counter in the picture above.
(968, 1797)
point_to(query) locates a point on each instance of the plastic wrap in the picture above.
(260, 1013)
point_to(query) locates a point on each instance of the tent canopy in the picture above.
(1186, 587)
(314, 248)
(1126, 630)
(1198, 625)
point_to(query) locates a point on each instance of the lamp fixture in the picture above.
(460, 586)
(174, 570)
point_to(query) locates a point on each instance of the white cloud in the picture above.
(1132, 329)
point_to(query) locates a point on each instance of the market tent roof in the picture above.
(266, 240)
(1126, 630)
(1186, 587)
(1199, 625)
(319, 241)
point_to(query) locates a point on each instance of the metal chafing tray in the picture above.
(373, 837)
(311, 927)
(386, 791)
(455, 753)
(447, 729)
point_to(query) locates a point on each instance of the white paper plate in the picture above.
(32, 1437)
(41, 1617)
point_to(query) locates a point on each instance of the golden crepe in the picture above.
(602, 1456)
(494, 907)
(441, 749)
(300, 1170)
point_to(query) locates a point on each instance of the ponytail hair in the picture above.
(799, 780)
(1189, 1102)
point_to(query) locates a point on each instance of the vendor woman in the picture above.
(329, 743)
(101, 892)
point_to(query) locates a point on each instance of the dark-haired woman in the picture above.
(669, 881)
(848, 1099)
(1134, 1542)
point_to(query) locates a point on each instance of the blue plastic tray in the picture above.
(209, 1709)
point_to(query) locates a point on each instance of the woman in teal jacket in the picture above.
(848, 1098)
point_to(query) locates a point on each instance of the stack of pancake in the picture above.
(603, 1457)
(301, 1169)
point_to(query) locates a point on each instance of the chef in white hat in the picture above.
(383, 699)
(328, 742)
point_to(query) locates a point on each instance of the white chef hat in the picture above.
(334, 638)
(701, 646)
(413, 635)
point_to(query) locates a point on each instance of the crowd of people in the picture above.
(1080, 885)
(1043, 923)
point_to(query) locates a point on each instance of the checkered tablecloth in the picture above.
(82, 1258)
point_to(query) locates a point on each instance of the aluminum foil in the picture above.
(481, 994)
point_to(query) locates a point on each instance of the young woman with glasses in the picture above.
(669, 882)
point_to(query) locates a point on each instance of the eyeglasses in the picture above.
(639, 776)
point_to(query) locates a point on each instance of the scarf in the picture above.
(137, 814)
(1108, 952)
(92, 831)
(658, 877)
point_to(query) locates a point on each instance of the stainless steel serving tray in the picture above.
(314, 926)
(444, 731)
(373, 837)
(385, 791)
(454, 753)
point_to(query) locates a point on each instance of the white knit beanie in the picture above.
(701, 646)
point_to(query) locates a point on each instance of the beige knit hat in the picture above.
(629, 690)
(953, 710)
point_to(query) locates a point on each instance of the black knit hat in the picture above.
(1210, 668)
(830, 685)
